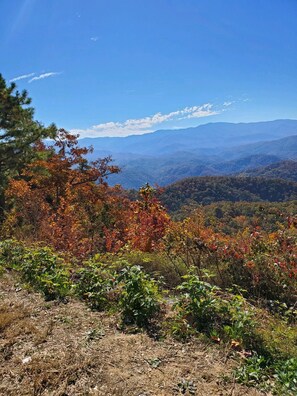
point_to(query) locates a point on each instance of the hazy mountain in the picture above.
(285, 148)
(207, 136)
(163, 157)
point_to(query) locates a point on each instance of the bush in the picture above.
(155, 263)
(286, 377)
(219, 315)
(39, 267)
(140, 297)
(46, 272)
(95, 284)
(197, 302)
(237, 320)
(253, 372)
(11, 253)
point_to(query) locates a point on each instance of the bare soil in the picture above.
(50, 348)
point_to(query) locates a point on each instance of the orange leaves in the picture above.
(62, 199)
(147, 222)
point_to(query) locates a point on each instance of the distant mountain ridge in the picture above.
(281, 170)
(165, 156)
(209, 189)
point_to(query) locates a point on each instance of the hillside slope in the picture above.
(65, 349)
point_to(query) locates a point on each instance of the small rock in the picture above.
(27, 360)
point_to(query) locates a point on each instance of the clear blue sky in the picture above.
(156, 63)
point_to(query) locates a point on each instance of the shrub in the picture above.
(11, 253)
(140, 297)
(219, 315)
(46, 272)
(253, 372)
(96, 283)
(39, 267)
(237, 320)
(197, 302)
(155, 263)
(179, 328)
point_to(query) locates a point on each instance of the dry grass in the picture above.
(65, 349)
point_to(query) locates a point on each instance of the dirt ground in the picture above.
(50, 348)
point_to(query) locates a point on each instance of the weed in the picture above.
(286, 377)
(254, 372)
(279, 377)
(95, 334)
(186, 386)
(154, 363)
(179, 328)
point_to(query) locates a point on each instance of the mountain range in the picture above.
(166, 156)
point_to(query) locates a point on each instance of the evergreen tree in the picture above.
(18, 133)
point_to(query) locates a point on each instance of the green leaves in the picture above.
(140, 299)
(38, 267)
(46, 272)
(197, 300)
(95, 284)
(280, 377)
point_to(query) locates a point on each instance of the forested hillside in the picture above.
(205, 190)
(280, 170)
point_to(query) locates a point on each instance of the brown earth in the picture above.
(50, 348)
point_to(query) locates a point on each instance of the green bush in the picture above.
(11, 253)
(197, 302)
(140, 297)
(155, 263)
(96, 284)
(39, 267)
(254, 372)
(237, 320)
(46, 272)
(219, 315)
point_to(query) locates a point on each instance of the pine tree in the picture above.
(18, 133)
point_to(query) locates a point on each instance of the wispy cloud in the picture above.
(94, 38)
(22, 77)
(227, 104)
(44, 75)
(139, 126)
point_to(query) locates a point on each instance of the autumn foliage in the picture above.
(62, 199)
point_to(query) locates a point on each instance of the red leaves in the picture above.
(147, 222)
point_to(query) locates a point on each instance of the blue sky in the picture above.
(119, 67)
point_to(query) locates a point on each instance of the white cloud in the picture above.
(44, 75)
(94, 38)
(227, 104)
(24, 76)
(139, 126)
